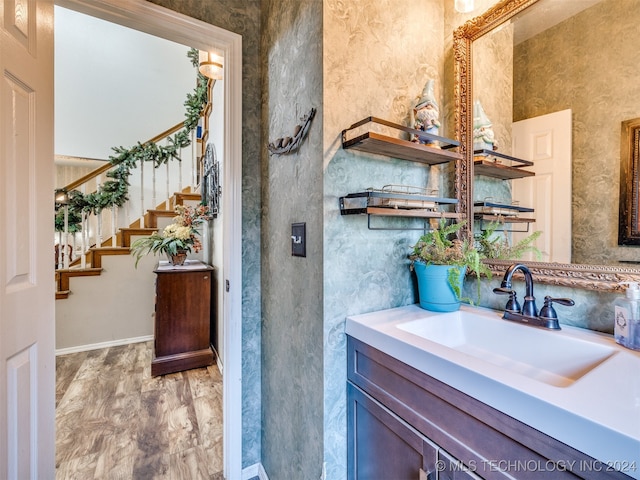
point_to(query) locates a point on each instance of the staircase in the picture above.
(141, 215)
(151, 221)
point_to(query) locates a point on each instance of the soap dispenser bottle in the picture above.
(626, 328)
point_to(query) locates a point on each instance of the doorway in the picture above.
(161, 22)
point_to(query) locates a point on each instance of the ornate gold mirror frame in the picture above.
(593, 277)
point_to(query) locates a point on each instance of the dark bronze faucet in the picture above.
(547, 318)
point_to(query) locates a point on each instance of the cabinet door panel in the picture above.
(182, 312)
(450, 468)
(381, 445)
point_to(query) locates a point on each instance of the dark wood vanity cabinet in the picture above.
(384, 445)
(182, 318)
(404, 424)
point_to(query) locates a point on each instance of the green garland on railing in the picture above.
(114, 192)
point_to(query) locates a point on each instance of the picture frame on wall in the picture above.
(629, 211)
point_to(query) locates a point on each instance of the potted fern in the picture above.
(441, 261)
(494, 244)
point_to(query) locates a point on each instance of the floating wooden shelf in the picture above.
(498, 165)
(377, 143)
(394, 203)
(505, 220)
(374, 202)
(415, 213)
(499, 208)
(502, 218)
(385, 204)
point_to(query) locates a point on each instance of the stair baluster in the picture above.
(180, 172)
(99, 240)
(141, 167)
(84, 236)
(114, 219)
(194, 179)
(153, 187)
(65, 236)
(168, 189)
(59, 251)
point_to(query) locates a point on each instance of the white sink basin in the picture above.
(538, 354)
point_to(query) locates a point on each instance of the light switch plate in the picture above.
(299, 239)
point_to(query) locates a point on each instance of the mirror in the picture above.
(595, 193)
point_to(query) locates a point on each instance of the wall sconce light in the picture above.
(464, 6)
(210, 65)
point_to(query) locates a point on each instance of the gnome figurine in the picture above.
(483, 135)
(425, 115)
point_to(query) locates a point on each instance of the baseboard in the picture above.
(97, 346)
(255, 470)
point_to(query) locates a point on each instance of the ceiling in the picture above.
(545, 14)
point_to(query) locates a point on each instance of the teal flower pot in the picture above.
(434, 290)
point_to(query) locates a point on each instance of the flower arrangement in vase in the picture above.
(178, 238)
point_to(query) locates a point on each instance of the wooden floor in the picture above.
(116, 422)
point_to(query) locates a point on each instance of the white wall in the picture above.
(114, 86)
(123, 310)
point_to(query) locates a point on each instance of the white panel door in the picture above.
(27, 368)
(546, 141)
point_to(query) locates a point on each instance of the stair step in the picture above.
(63, 276)
(88, 260)
(136, 224)
(98, 253)
(127, 233)
(61, 295)
(151, 217)
(180, 197)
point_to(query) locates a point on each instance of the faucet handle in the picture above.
(512, 303)
(567, 302)
(503, 291)
(547, 311)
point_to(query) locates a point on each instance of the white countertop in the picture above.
(598, 414)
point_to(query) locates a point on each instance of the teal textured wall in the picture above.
(292, 349)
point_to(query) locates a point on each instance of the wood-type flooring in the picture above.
(115, 421)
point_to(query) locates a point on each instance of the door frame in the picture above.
(162, 22)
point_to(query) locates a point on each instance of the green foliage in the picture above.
(441, 246)
(453, 276)
(194, 55)
(74, 221)
(114, 192)
(181, 235)
(156, 243)
(495, 245)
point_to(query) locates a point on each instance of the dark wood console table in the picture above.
(182, 318)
